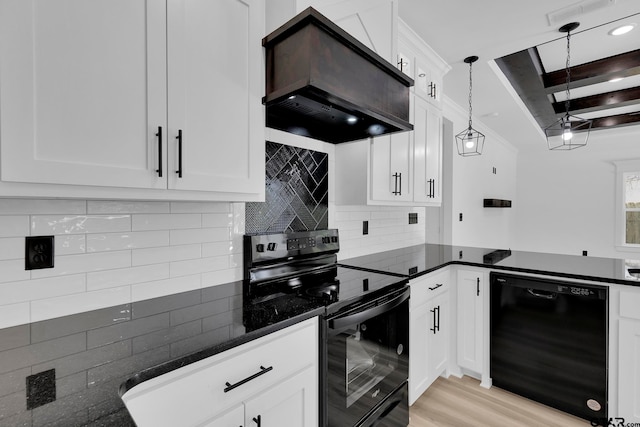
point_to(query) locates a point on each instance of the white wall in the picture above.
(566, 200)
(469, 180)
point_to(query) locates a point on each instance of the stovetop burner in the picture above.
(288, 274)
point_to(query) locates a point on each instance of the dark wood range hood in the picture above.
(323, 83)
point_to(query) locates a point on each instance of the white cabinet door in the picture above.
(233, 418)
(216, 81)
(392, 167)
(419, 319)
(83, 92)
(629, 367)
(291, 403)
(428, 331)
(438, 344)
(427, 153)
(470, 293)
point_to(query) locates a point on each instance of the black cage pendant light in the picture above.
(470, 142)
(570, 131)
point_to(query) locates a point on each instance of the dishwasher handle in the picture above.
(542, 294)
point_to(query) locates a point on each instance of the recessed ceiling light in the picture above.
(624, 29)
(616, 79)
(352, 119)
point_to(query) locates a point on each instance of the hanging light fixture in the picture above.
(470, 142)
(570, 131)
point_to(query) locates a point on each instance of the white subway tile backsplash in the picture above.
(84, 263)
(165, 254)
(78, 224)
(199, 235)
(201, 265)
(77, 303)
(217, 220)
(220, 248)
(127, 276)
(14, 225)
(142, 291)
(13, 270)
(42, 206)
(11, 248)
(200, 207)
(166, 221)
(70, 244)
(129, 240)
(27, 290)
(219, 277)
(14, 314)
(126, 206)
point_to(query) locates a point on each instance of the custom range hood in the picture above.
(323, 83)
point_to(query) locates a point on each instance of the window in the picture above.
(632, 207)
(628, 205)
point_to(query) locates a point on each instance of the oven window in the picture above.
(367, 362)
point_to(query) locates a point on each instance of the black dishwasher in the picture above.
(549, 342)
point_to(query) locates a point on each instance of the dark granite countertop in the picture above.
(417, 260)
(95, 354)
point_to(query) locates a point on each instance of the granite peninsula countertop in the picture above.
(96, 354)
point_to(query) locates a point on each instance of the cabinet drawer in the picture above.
(427, 287)
(629, 304)
(196, 392)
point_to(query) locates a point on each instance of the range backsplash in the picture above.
(296, 194)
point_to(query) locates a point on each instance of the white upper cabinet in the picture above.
(83, 92)
(416, 59)
(216, 80)
(427, 153)
(95, 94)
(392, 167)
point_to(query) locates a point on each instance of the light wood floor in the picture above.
(459, 402)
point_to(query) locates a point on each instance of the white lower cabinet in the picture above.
(273, 379)
(429, 331)
(473, 322)
(629, 357)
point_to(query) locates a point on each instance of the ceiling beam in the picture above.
(601, 101)
(599, 71)
(523, 70)
(616, 121)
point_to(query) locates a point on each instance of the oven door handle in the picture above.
(343, 322)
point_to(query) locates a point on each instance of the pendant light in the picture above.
(470, 142)
(570, 131)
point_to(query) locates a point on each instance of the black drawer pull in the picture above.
(477, 286)
(159, 135)
(179, 138)
(263, 371)
(435, 287)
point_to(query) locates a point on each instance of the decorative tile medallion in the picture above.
(296, 195)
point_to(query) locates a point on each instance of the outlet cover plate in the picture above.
(38, 252)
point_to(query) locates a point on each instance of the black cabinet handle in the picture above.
(179, 138)
(432, 188)
(397, 190)
(159, 135)
(258, 420)
(477, 286)
(438, 325)
(263, 371)
(435, 287)
(434, 91)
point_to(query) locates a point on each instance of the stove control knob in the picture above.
(260, 247)
(271, 246)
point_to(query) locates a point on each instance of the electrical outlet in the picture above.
(41, 388)
(584, 253)
(413, 217)
(365, 227)
(38, 252)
